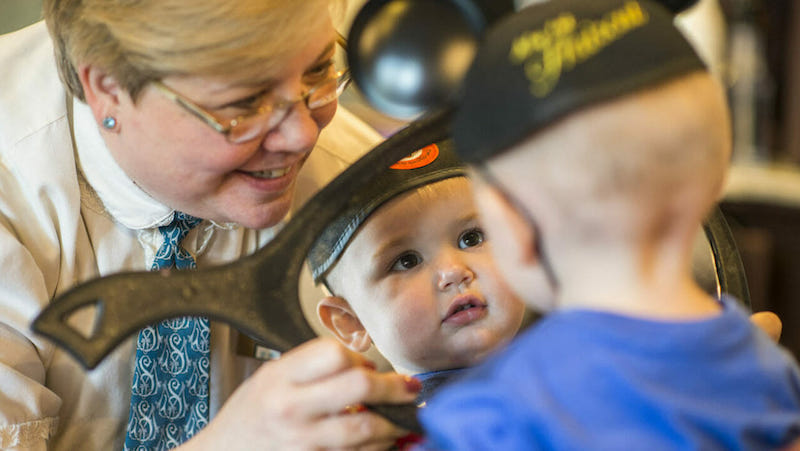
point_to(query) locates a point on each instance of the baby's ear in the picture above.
(338, 317)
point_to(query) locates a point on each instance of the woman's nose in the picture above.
(454, 273)
(297, 132)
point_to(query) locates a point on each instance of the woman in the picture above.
(205, 107)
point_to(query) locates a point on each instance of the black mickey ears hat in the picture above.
(550, 59)
(432, 163)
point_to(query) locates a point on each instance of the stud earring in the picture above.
(109, 122)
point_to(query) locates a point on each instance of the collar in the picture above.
(125, 202)
(432, 381)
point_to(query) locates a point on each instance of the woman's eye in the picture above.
(319, 72)
(248, 103)
(470, 238)
(406, 262)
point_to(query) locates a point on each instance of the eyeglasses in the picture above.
(258, 122)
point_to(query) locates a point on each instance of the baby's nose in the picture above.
(454, 274)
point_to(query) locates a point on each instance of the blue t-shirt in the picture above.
(581, 379)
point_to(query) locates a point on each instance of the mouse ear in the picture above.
(677, 6)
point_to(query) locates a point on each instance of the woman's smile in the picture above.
(270, 173)
(273, 179)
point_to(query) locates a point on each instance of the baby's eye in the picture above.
(470, 238)
(406, 261)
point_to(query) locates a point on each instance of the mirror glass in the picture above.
(310, 294)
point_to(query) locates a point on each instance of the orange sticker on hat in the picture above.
(418, 159)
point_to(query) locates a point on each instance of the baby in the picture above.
(599, 143)
(409, 270)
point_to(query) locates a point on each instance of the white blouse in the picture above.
(68, 214)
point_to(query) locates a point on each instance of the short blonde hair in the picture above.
(139, 41)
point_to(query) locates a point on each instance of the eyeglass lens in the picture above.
(250, 127)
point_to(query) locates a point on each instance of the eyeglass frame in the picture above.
(342, 78)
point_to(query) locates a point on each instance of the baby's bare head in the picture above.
(635, 166)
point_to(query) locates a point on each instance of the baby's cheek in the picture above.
(413, 315)
(417, 328)
(414, 318)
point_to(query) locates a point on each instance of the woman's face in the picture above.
(184, 163)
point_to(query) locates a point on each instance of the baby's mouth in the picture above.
(270, 173)
(465, 309)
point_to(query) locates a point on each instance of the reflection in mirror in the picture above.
(409, 270)
(310, 295)
(405, 275)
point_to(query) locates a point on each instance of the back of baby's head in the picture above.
(604, 106)
(636, 164)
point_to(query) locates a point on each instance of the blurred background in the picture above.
(751, 46)
(15, 14)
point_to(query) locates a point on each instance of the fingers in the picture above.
(768, 322)
(298, 402)
(320, 378)
(357, 386)
(321, 358)
(364, 430)
(325, 377)
(332, 377)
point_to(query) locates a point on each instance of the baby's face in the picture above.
(420, 277)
